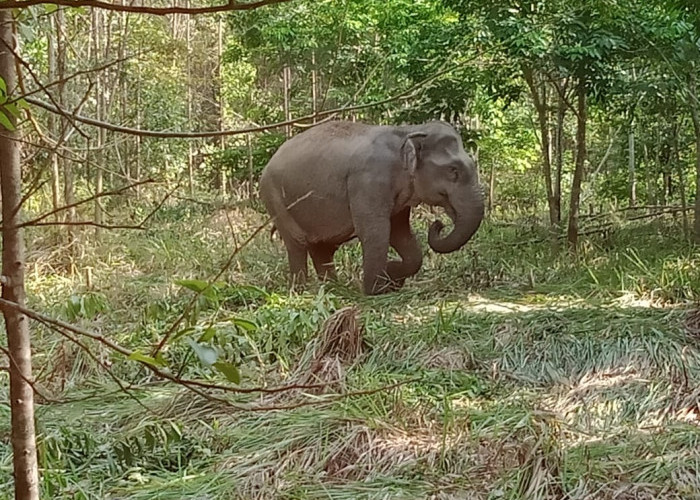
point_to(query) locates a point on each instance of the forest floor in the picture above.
(524, 373)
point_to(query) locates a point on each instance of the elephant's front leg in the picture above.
(405, 243)
(371, 219)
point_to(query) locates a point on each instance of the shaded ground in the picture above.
(536, 376)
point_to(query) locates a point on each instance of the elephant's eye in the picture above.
(454, 173)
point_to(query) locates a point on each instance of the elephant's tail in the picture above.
(284, 220)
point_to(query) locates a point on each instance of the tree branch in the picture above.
(86, 200)
(406, 94)
(56, 323)
(231, 5)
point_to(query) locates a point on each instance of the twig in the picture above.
(137, 9)
(406, 94)
(97, 360)
(86, 200)
(36, 79)
(30, 383)
(56, 323)
(78, 73)
(225, 267)
(91, 223)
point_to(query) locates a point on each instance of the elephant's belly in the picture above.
(324, 222)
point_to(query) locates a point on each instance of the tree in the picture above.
(19, 354)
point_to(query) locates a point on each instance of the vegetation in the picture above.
(555, 356)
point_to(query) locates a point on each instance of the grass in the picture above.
(537, 374)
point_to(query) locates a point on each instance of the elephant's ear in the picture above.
(411, 151)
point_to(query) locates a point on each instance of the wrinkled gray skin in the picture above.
(341, 180)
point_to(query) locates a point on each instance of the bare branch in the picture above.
(31, 383)
(86, 200)
(225, 267)
(56, 323)
(231, 5)
(29, 69)
(405, 95)
(78, 73)
(97, 360)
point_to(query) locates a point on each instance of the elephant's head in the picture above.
(445, 175)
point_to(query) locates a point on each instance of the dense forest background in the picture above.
(555, 356)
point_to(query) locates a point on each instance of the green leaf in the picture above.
(229, 371)
(5, 122)
(245, 324)
(13, 109)
(137, 356)
(50, 8)
(3, 85)
(22, 103)
(208, 334)
(207, 355)
(182, 333)
(195, 285)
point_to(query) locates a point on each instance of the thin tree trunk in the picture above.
(54, 126)
(540, 102)
(96, 34)
(695, 114)
(492, 188)
(137, 176)
(222, 139)
(572, 231)
(68, 175)
(287, 83)
(251, 189)
(631, 166)
(676, 160)
(559, 159)
(190, 153)
(314, 86)
(24, 456)
(124, 93)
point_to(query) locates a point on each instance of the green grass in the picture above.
(536, 374)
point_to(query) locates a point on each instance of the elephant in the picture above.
(342, 180)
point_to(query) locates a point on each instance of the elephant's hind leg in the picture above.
(322, 257)
(297, 256)
(405, 243)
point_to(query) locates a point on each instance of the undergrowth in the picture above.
(534, 373)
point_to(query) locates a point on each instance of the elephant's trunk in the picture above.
(466, 216)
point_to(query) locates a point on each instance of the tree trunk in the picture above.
(559, 160)
(314, 86)
(540, 102)
(26, 473)
(190, 97)
(124, 93)
(632, 171)
(492, 188)
(54, 125)
(220, 93)
(68, 174)
(695, 113)
(137, 175)
(287, 83)
(676, 161)
(96, 35)
(251, 188)
(572, 232)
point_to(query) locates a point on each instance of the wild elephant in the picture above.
(341, 180)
